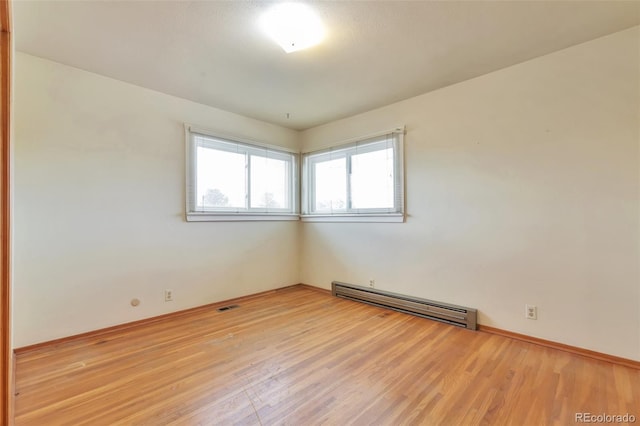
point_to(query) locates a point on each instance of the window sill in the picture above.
(239, 217)
(380, 218)
(253, 217)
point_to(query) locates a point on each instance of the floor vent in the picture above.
(226, 308)
(443, 312)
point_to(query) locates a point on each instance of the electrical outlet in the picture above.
(372, 283)
(531, 312)
(168, 295)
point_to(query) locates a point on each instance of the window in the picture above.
(361, 181)
(232, 180)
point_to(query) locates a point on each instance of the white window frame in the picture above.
(394, 139)
(196, 137)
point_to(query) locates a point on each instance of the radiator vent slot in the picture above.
(226, 308)
(443, 312)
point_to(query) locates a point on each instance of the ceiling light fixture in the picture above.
(294, 26)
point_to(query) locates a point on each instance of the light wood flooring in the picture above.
(299, 356)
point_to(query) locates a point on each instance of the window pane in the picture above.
(269, 183)
(220, 179)
(372, 180)
(330, 185)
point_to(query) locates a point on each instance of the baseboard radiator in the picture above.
(443, 312)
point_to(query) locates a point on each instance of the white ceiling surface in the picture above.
(375, 52)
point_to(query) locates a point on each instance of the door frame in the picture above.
(6, 359)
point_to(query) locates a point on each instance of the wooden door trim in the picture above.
(6, 411)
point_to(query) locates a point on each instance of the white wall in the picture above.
(522, 187)
(99, 206)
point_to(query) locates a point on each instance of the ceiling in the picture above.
(375, 52)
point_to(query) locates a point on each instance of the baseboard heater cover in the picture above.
(443, 312)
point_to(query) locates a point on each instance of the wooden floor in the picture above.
(301, 357)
